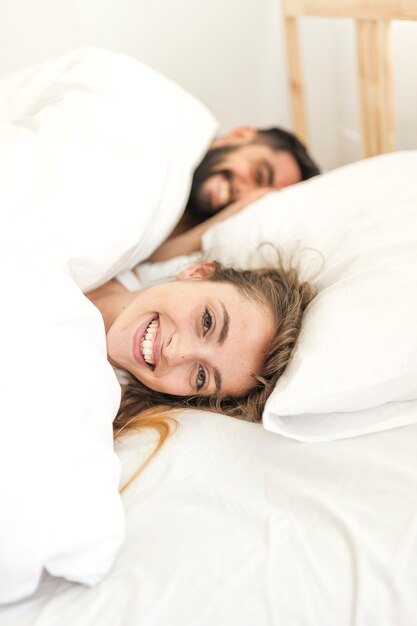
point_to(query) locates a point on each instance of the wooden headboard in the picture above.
(373, 34)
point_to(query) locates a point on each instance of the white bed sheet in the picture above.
(231, 525)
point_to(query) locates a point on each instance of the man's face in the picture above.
(244, 168)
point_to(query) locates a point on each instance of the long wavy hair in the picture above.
(286, 297)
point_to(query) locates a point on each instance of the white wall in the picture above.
(230, 53)
(31, 30)
(226, 51)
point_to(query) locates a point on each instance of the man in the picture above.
(238, 168)
(245, 159)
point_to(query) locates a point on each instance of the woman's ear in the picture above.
(197, 270)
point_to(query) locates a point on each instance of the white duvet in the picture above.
(97, 153)
(234, 526)
(96, 158)
(59, 476)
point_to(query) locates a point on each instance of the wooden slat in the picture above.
(295, 79)
(388, 89)
(362, 34)
(375, 86)
(357, 9)
(374, 62)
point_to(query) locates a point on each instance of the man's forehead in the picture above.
(250, 150)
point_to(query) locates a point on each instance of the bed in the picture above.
(310, 520)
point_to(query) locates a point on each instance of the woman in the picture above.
(215, 338)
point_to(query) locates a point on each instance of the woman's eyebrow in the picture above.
(221, 338)
(226, 324)
(217, 380)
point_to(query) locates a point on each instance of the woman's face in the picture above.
(191, 336)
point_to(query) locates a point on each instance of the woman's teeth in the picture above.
(147, 343)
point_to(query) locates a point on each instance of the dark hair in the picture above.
(280, 139)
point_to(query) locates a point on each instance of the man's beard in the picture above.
(199, 202)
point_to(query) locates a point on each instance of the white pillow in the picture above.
(96, 158)
(59, 475)
(358, 348)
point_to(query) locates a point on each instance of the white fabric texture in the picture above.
(59, 475)
(233, 526)
(358, 347)
(96, 157)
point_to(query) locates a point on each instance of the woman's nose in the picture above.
(180, 349)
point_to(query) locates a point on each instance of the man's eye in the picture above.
(201, 378)
(264, 175)
(259, 177)
(229, 176)
(207, 321)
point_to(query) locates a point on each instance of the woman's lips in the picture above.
(137, 343)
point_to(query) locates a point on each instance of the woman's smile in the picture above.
(146, 342)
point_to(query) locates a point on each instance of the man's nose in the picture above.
(243, 185)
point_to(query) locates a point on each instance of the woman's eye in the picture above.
(207, 322)
(201, 378)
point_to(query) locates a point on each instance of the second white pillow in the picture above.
(358, 347)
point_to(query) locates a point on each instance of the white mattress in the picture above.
(231, 525)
